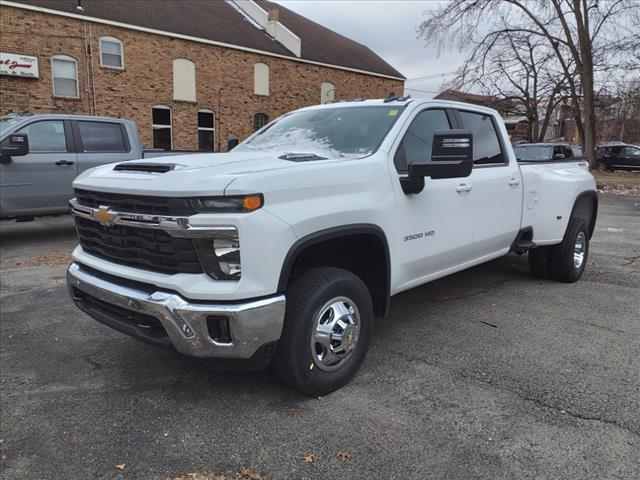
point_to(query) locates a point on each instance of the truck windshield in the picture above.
(353, 132)
(7, 122)
(529, 153)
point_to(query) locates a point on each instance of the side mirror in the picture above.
(451, 157)
(232, 143)
(15, 145)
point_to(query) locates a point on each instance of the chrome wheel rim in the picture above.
(335, 333)
(579, 250)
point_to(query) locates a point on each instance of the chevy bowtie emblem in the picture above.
(103, 216)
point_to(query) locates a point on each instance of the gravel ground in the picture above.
(488, 373)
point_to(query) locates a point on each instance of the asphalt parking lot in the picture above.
(489, 373)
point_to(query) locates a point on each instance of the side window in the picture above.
(631, 151)
(46, 136)
(105, 137)
(486, 146)
(416, 143)
(568, 153)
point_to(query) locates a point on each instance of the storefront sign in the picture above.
(18, 65)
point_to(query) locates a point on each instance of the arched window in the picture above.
(64, 72)
(111, 53)
(327, 92)
(184, 80)
(161, 124)
(259, 121)
(206, 130)
(261, 79)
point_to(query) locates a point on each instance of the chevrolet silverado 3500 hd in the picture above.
(286, 249)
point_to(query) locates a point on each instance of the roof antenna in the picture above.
(79, 6)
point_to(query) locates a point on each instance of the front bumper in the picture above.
(166, 318)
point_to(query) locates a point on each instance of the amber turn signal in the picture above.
(252, 202)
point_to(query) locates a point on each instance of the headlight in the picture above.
(220, 254)
(234, 203)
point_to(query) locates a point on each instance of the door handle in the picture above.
(514, 181)
(463, 187)
(64, 163)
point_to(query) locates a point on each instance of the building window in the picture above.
(327, 92)
(206, 132)
(259, 121)
(184, 80)
(261, 79)
(161, 118)
(111, 53)
(64, 71)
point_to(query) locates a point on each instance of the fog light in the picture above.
(220, 254)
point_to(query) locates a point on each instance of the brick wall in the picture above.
(224, 78)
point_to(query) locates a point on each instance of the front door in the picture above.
(40, 182)
(434, 228)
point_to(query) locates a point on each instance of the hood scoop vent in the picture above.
(145, 167)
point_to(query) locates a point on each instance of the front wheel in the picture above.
(326, 331)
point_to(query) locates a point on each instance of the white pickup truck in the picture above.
(286, 250)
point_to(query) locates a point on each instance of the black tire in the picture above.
(293, 360)
(540, 261)
(563, 266)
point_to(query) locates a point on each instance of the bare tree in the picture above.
(587, 37)
(519, 68)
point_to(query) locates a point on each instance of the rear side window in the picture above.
(46, 136)
(103, 137)
(416, 144)
(486, 146)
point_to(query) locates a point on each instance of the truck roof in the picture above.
(63, 116)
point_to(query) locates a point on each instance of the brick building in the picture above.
(190, 73)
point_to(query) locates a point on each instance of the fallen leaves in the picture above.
(385, 433)
(120, 466)
(244, 474)
(309, 457)
(52, 257)
(294, 413)
(250, 474)
(344, 455)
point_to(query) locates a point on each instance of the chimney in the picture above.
(274, 14)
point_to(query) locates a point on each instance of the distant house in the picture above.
(191, 73)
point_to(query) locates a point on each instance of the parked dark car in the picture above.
(542, 152)
(622, 157)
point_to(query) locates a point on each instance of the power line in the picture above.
(433, 75)
(418, 90)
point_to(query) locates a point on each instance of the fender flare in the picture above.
(331, 234)
(594, 214)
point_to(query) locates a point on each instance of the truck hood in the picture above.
(194, 174)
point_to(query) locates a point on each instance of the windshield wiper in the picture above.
(301, 157)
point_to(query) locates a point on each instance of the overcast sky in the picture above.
(388, 27)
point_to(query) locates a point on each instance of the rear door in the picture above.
(497, 185)
(434, 227)
(40, 182)
(101, 141)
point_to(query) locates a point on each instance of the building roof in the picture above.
(219, 21)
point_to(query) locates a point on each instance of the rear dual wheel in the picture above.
(564, 262)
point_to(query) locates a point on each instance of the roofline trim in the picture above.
(192, 39)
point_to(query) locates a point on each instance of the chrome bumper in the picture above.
(252, 323)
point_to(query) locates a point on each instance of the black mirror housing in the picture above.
(232, 143)
(15, 145)
(451, 156)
